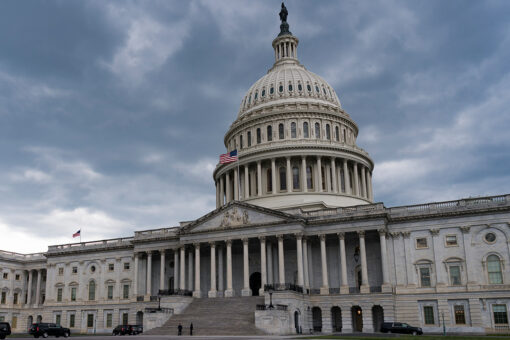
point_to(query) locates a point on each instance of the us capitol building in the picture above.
(296, 240)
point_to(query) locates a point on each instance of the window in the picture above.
(460, 316)
(309, 177)
(249, 138)
(59, 294)
(280, 88)
(17, 277)
(71, 320)
(241, 141)
(281, 131)
(256, 95)
(5, 276)
(111, 267)
(110, 292)
(290, 87)
(4, 296)
(308, 87)
(126, 264)
(421, 243)
(328, 132)
(90, 320)
(269, 133)
(490, 237)
(293, 130)
(317, 130)
(58, 318)
(299, 87)
(455, 279)
(109, 320)
(93, 269)
(428, 315)
(271, 90)
(75, 270)
(125, 318)
(269, 181)
(425, 276)
(317, 89)
(494, 269)
(125, 292)
(259, 136)
(283, 178)
(337, 134)
(451, 240)
(15, 299)
(73, 293)
(92, 291)
(305, 130)
(60, 271)
(500, 314)
(295, 177)
(263, 93)
(343, 136)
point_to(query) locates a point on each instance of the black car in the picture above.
(5, 329)
(123, 330)
(47, 329)
(400, 327)
(137, 329)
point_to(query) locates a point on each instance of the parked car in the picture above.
(400, 327)
(123, 330)
(5, 329)
(137, 329)
(47, 329)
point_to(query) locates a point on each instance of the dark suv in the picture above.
(47, 329)
(137, 329)
(400, 327)
(123, 330)
(5, 329)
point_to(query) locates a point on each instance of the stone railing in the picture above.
(284, 286)
(345, 211)
(181, 292)
(159, 310)
(156, 233)
(21, 257)
(102, 244)
(271, 307)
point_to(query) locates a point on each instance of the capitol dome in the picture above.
(296, 145)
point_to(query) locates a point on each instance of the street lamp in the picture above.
(270, 291)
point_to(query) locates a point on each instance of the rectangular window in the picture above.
(90, 320)
(126, 265)
(71, 320)
(4, 296)
(125, 292)
(75, 270)
(73, 293)
(14, 322)
(111, 267)
(57, 319)
(241, 141)
(421, 243)
(2, 318)
(125, 319)
(15, 299)
(59, 295)
(428, 315)
(60, 271)
(460, 317)
(6, 276)
(451, 240)
(425, 276)
(110, 292)
(17, 277)
(500, 314)
(455, 276)
(109, 320)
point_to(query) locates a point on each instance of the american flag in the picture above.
(229, 157)
(76, 234)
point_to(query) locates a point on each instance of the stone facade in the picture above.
(296, 222)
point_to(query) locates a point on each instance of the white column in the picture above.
(273, 175)
(319, 174)
(299, 253)
(218, 189)
(384, 259)
(363, 183)
(162, 269)
(29, 293)
(333, 174)
(347, 179)
(135, 279)
(176, 269)
(149, 273)
(246, 291)
(220, 269)
(289, 176)
(369, 183)
(281, 259)
(222, 198)
(197, 292)
(263, 265)
(230, 291)
(270, 271)
(328, 177)
(344, 288)
(38, 288)
(190, 270)
(236, 185)
(356, 180)
(303, 174)
(305, 263)
(213, 292)
(246, 182)
(259, 178)
(364, 270)
(228, 187)
(325, 284)
(182, 275)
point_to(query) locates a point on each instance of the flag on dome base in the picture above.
(229, 157)
(76, 234)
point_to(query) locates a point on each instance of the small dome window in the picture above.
(323, 90)
(280, 88)
(308, 87)
(299, 87)
(317, 89)
(263, 93)
(271, 91)
(290, 87)
(249, 99)
(256, 95)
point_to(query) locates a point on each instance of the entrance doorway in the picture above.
(377, 317)
(336, 319)
(255, 283)
(139, 318)
(317, 319)
(30, 321)
(357, 319)
(296, 322)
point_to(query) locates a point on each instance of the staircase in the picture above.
(215, 316)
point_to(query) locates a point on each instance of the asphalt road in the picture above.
(161, 337)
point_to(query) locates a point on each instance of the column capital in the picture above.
(406, 234)
(299, 236)
(395, 234)
(382, 232)
(303, 157)
(322, 237)
(341, 236)
(196, 245)
(262, 239)
(361, 233)
(228, 242)
(212, 244)
(259, 161)
(245, 240)
(279, 237)
(465, 229)
(434, 232)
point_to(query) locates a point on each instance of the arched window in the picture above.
(281, 131)
(263, 92)
(241, 141)
(317, 130)
(259, 136)
(308, 87)
(269, 133)
(249, 138)
(328, 132)
(283, 178)
(269, 180)
(295, 177)
(271, 90)
(256, 95)
(280, 88)
(494, 270)
(309, 177)
(305, 130)
(343, 135)
(337, 134)
(92, 290)
(293, 130)
(290, 86)
(299, 87)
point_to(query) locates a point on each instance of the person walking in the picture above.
(179, 329)
(191, 329)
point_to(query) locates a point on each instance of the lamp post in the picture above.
(270, 291)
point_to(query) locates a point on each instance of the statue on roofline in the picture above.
(284, 13)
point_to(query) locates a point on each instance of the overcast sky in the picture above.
(112, 113)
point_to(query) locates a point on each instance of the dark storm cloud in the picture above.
(112, 114)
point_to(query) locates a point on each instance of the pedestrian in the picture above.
(179, 329)
(191, 329)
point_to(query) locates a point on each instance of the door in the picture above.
(255, 283)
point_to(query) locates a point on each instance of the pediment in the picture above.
(237, 215)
